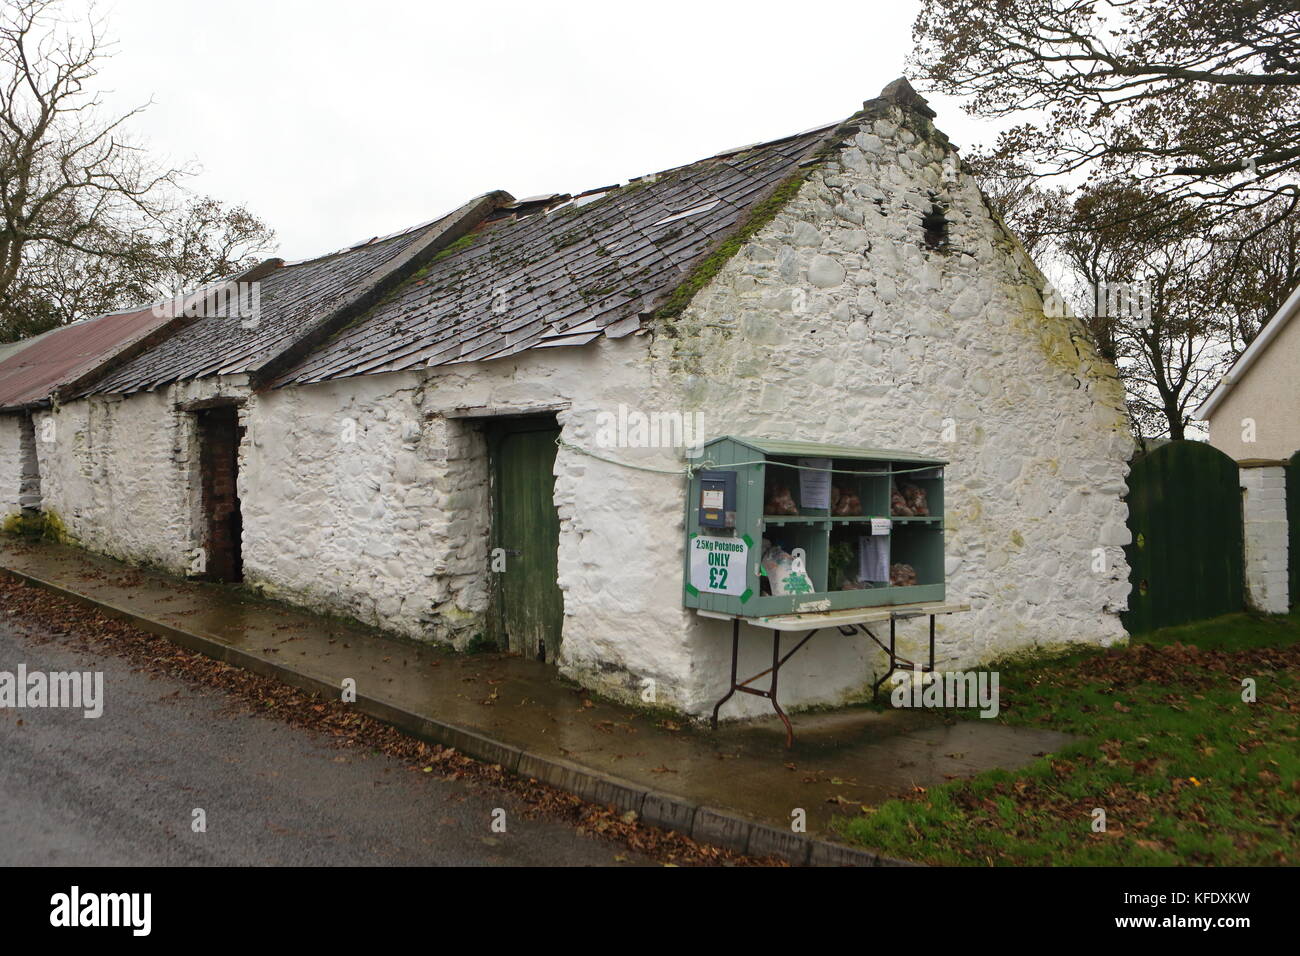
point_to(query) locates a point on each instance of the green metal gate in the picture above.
(1293, 522)
(1186, 558)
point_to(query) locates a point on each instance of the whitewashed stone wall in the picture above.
(11, 464)
(121, 474)
(363, 497)
(838, 324)
(1266, 533)
(356, 502)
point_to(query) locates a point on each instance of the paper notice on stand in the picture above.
(873, 558)
(815, 486)
(881, 526)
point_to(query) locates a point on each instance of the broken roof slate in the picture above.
(292, 298)
(560, 277)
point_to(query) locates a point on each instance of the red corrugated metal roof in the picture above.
(65, 354)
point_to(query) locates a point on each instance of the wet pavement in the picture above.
(122, 789)
(842, 759)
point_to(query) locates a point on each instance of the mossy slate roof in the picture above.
(293, 299)
(534, 273)
(560, 272)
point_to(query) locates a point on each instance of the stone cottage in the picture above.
(476, 428)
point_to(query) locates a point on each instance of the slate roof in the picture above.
(29, 374)
(492, 279)
(292, 298)
(558, 271)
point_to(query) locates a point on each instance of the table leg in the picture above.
(776, 667)
(893, 661)
(735, 653)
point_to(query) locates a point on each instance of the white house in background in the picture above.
(1254, 412)
(394, 413)
(1254, 416)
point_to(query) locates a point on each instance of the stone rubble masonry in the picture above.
(11, 463)
(369, 496)
(218, 495)
(1266, 533)
(29, 489)
(838, 324)
(122, 474)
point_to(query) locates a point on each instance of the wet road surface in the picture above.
(122, 789)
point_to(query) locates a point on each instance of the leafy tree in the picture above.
(1199, 99)
(1156, 150)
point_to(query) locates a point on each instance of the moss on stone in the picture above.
(36, 524)
(708, 268)
(464, 242)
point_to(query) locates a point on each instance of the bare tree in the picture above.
(1161, 303)
(88, 222)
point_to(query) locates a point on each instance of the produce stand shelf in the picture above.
(789, 528)
(837, 496)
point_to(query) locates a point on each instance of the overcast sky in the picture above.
(335, 122)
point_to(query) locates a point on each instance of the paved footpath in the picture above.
(737, 788)
(121, 789)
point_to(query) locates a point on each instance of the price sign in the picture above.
(718, 565)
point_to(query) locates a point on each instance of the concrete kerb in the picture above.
(652, 807)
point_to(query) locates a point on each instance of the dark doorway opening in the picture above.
(29, 488)
(219, 437)
(528, 607)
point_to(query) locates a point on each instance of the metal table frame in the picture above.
(847, 625)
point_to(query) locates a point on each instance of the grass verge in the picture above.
(1184, 768)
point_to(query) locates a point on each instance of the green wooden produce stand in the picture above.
(726, 526)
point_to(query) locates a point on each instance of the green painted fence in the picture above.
(1186, 557)
(1293, 520)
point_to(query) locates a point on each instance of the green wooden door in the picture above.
(530, 607)
(1186, 557)
(1293, 521)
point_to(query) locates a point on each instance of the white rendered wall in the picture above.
(11, 464)
(1266, 534)
(837, 324)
